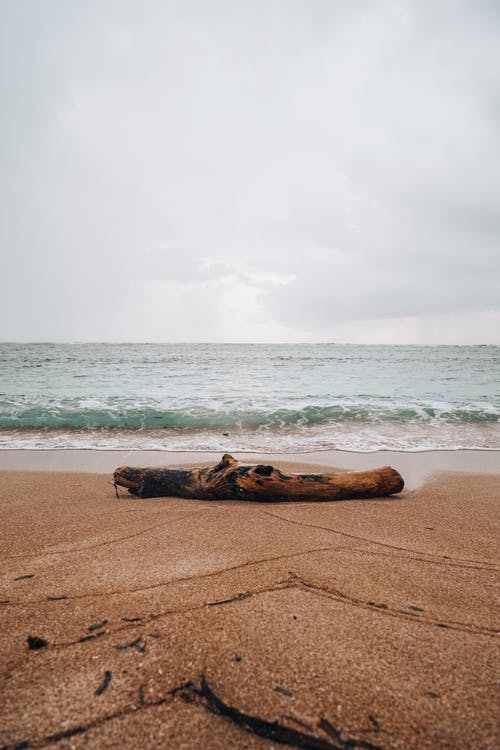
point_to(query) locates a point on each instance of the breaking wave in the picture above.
(111, 416)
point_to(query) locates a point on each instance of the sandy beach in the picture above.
(182, 623)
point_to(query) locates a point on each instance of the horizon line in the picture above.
(73, 342)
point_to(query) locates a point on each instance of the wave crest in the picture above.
(79, 416)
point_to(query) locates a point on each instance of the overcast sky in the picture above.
(250, 170)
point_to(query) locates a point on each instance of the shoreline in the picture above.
(415, 467)
(261, 452)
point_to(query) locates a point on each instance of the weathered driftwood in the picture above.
(228, 480)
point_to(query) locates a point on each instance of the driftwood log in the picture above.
(229, 480)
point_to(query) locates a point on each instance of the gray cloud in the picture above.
(279, 170)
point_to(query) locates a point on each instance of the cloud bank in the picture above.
(287, 170)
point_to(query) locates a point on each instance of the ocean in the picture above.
(249, 397)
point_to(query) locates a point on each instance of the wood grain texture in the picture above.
(229, 480)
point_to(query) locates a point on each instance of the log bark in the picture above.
(229, 480)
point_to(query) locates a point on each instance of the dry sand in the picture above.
(373, 619)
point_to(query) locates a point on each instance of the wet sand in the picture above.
(182, 623)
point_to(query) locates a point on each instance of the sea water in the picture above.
(241, 397)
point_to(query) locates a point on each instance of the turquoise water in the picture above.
(249, 397)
